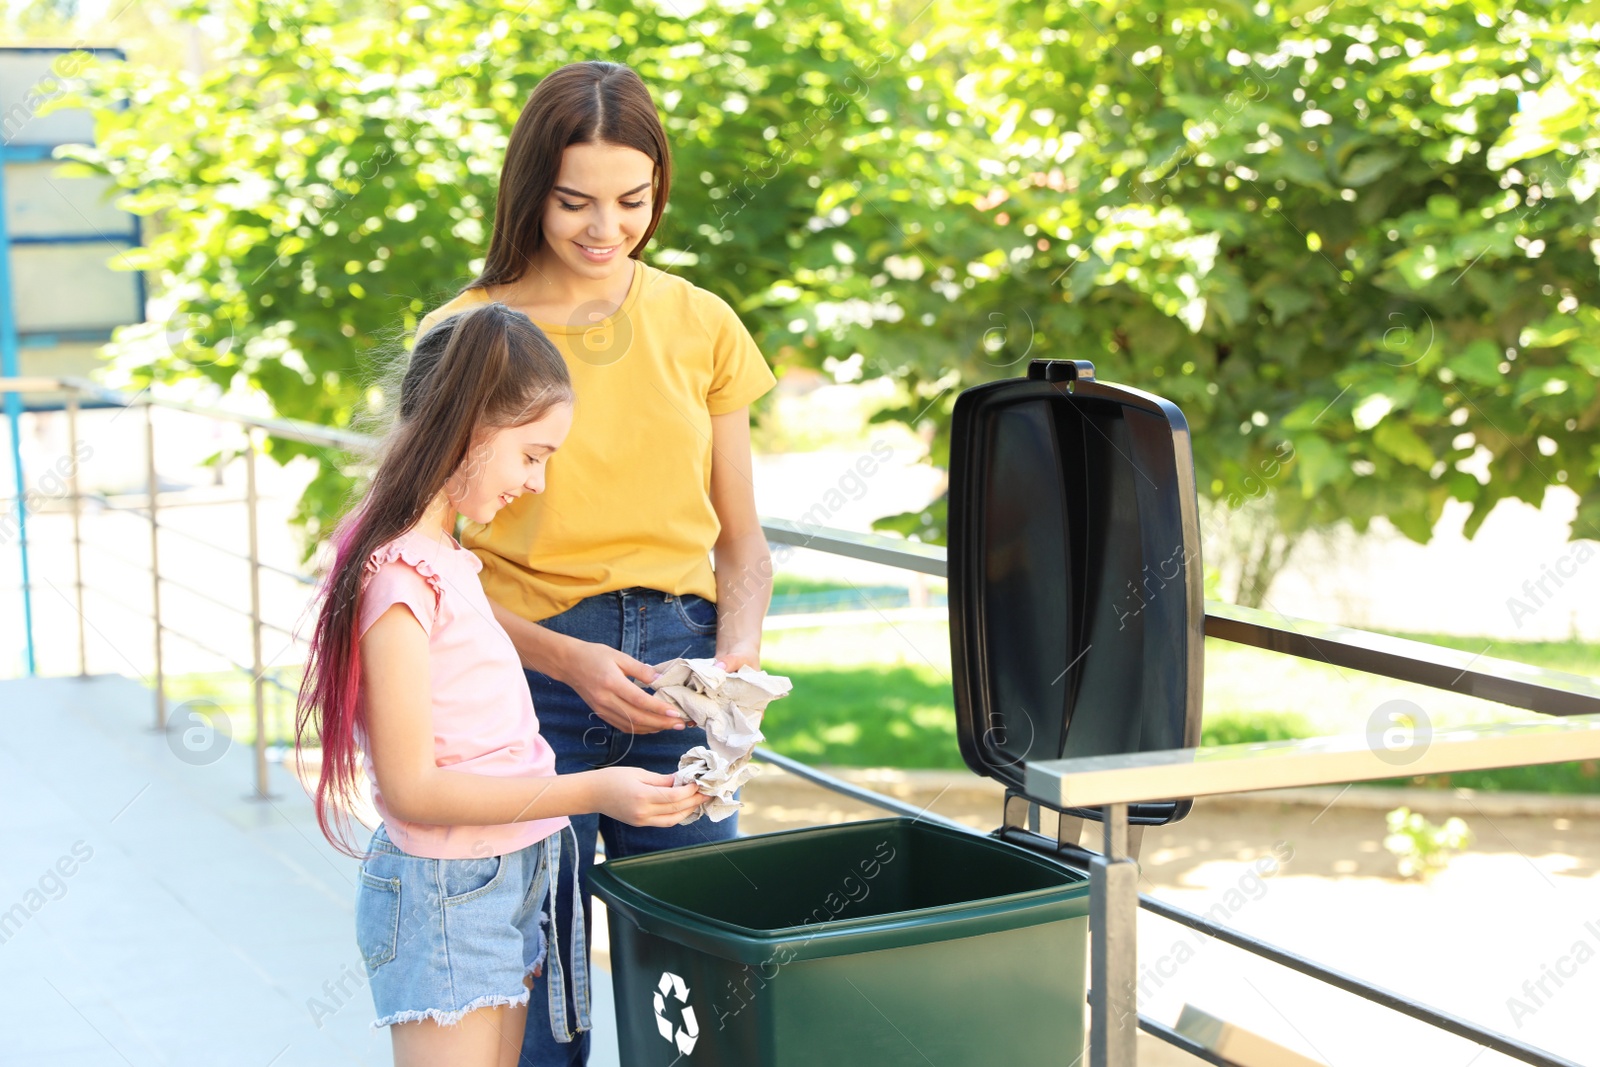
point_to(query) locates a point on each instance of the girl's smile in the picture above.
(514, 455)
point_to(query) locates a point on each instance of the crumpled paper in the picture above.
(729, 706)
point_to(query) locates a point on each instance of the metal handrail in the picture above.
(191, 590)
(1502, 681)
(1547, 692)
(838, 785)
(1435, 1017)
(1187, 1044)
(144, 513)
(76, 390)
(1139, 777)
(310, 433)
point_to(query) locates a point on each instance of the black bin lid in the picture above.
(1077, 613)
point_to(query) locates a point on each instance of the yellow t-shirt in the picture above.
(627, 499)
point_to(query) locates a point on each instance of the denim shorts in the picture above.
(442, 937)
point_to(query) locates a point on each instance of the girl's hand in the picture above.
(641, 798)
(602, 675)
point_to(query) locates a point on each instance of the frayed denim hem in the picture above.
(451, 1018)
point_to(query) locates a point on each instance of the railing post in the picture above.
(257, 669)
(1113, 947)
(13, 407)
(77, 532)
(155, 561)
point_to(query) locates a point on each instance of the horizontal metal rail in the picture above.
(855, 792)
(1387, 998)
(1513, 684)
(289, 429)
(192, 591)
(1187, 1044)
(270, 679)
(144, 513)
(143, 613)
(1138, 777)
(1502, 681)
(873, 548)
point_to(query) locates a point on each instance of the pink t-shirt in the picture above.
(483, 720)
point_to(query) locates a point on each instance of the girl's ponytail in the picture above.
(481, 369)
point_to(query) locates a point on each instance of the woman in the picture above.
(607, 571)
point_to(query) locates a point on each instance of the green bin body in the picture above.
(880, 943)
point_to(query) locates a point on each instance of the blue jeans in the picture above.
(651, 627)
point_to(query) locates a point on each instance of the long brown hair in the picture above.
(479, 370)
(593, 102)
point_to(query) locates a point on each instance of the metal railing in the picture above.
(1107, 783)
(76, 391)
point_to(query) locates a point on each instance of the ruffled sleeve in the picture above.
(396, 574)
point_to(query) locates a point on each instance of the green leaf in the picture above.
(1418, 523)
(1463, 486)
(1368, 167)
(1479, 363)
(1586, 354)
(1286, 301)
(834, 195)
(282, 186)
(1444, 207)
(1536, 384)
(1225, 291)
(1402, 442)
(1552, 332)
(1318, 464)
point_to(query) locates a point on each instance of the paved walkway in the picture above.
(152, 912)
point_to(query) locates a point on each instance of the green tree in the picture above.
(331, 180)
(1357, 235)
(1352, 242)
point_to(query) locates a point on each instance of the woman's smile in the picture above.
(598, 254)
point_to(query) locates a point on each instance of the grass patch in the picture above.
(790, 585)
(1579, 778)
(899, 716)
(231, 693)
(1231, 728)
(1573, 657)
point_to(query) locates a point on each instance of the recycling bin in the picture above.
(894, 941)
(1076, 629)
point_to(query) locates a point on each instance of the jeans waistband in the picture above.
(633, 592)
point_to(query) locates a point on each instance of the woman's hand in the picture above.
(603, 677)
(641, 798)
(736, 656)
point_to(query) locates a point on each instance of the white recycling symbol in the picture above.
(686, 1035)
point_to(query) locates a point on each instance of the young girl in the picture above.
(593, 586)
(456, 896)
